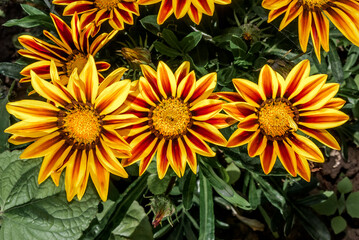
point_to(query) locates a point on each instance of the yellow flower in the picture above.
(117, 12)
(194, 8)
(177, 117)
(76, 132)
(71, 51)
(274, 112)
(313, 19)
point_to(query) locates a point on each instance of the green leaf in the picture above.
(352, 204)
(150, 24)
(31, 21)
(165, 50)
(335, 63)
(341, 204)
(238, 46)
(329, 206)
(115, 215)
(338, 224)
(206, 210)
(11, 70)
(171, 39)
(312, 224)
(32, 10)
(5, 120)
(158, 186)
(233, 172)
(253, 195)
(135, 225)
(345, 186)
(188, 190)
(29, 210)
(222, 188)
(273, 196)
(190, 41)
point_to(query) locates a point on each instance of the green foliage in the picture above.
(135, 225)
(235, 43)
(30, 210)
(338, 224)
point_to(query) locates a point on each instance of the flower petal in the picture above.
(195, 142)
(286, 156)
(99, 175)
(176, 155)
(53, 161)
(268, 158)
(305, 147)
(166, 80)
(142, 146)
(239, 138)
(108, 160)
(148, 93)
(323, 118)
(112, 97)
(42, 146)
(250, 123)
(34, 127)
(322, 136)
(257, 144)
(268, 82)
(249, 91)
(295, 76)
(25, 109)
(204, 88)
(209, 133)
(221, 120)
(303, 167)
(49, 91)
(187, 87)
(161, 159)
(206, 109)
(238, 110)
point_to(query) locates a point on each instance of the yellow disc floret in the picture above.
(82, 124)
(314, 3)
(106, 4)
(78, 61)
(170, 118)
(277, 117)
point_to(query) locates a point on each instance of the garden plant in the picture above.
(179, 119)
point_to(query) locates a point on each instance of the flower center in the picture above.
(106, 4)
(277, 118)
(170, 118)
(78, 60)
(314, 3)
(80, 124)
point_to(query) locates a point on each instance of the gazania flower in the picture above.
(77, 131)
(176, 118)
(72, 51)
(194, 8)
(117, 12)
(313, 19)
(276, 113)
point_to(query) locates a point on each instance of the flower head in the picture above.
(117, 12)
(275, 114)
(177, 118)
(313, 19)
(194, 8)
(71, 51)
(76, 132)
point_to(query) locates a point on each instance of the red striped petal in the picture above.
(209, 133)
(286, 156)
(268, 157)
